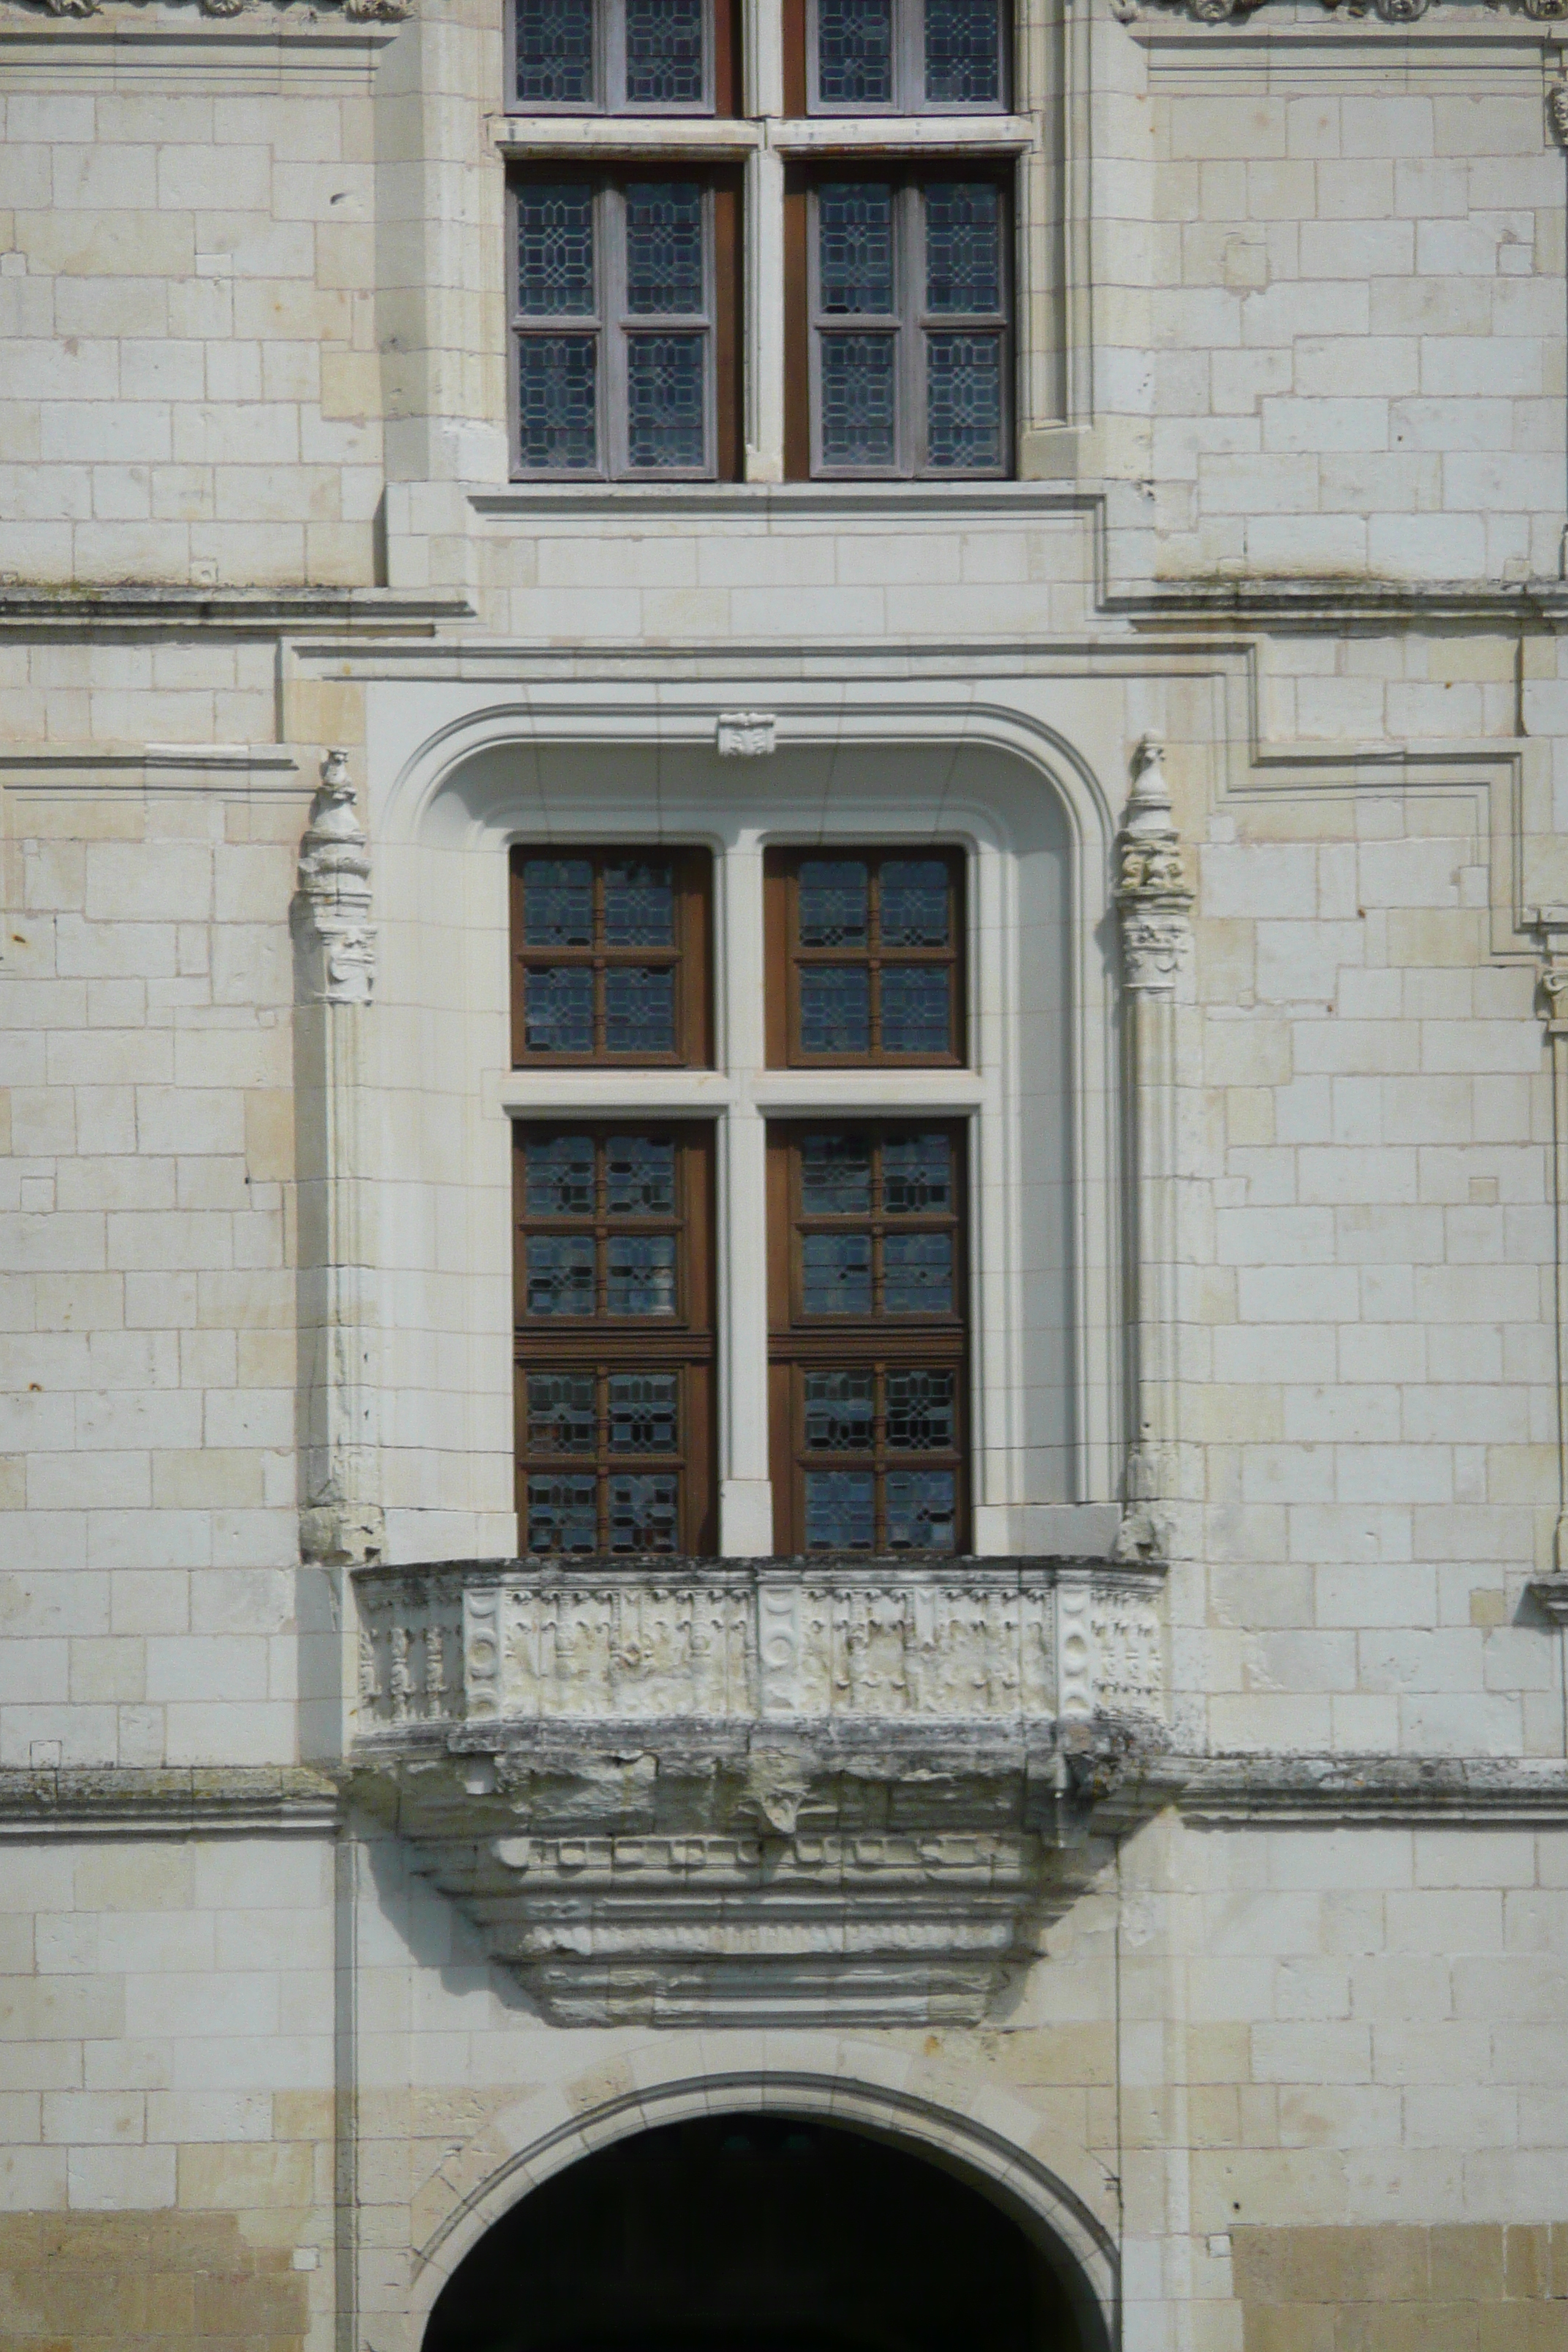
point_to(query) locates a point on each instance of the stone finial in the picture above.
(1151, 891)
(331, 908)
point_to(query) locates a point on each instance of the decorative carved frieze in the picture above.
(362, 11)
(1391, 12)
(756, 1791)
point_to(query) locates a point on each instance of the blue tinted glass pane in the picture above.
(963, 247)
(838, 1412)
(639, 1012)
(555, 251)
(834, 1175)
(664, 52)
(855, 247)
(559, 1175)
(665, 402)
(561, 1514)
(919, 1510)
(836, 1274)
(643, 1412)
(835, 1008)
(917, 1274)
(560, 1275)
(664, 248)
(555, 52)
(914, 903)
(557, 397)
(641, 1273)
(917, 1174)
(833, 902)
(639, 906)
(855, 52)
(915, 1009)
(644, 1513)
(562, 1418)
(840, 1510)
(558, 903)
(640, 1176)
(858, 416)
(963, 402)
(964, 53)
(558, 1011)
(921, 1412)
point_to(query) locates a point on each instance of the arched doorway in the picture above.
(758, 2234)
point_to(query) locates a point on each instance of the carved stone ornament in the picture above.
(752, 1792)
(747, 734)
(389, 12)
(1153, 895)
(1391, 12)
(1557, 107)
(331, 907)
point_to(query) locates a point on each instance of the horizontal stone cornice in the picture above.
(147, 1801)
(257, 612)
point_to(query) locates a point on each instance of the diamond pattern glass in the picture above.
(640, 1176)
(855, 52)
(915, 1015)
(639, 1011)
(558, 1010)
(666, 402)
(835, 902)
(920, 1507)
(855, 247)
(962, 53)
(963, 402)
(644, 1514)
(557, 391)
(639, 906)
(834, 1175)
(562, 1418)
(664, 52)
(858, 400)
(917, 1274)
(644, 1412)
(562, 1516)
(917, 1175)
(641, 1273)
(557, 902)
(555, 52)
(840, 1510)
(555, 251)
(963, 247)
(560, 1275)
(835, 1008)
(839, 1412)
(664, 249)
(835, 1272)
(559, 1175)
(914, 903)
(920, 1413)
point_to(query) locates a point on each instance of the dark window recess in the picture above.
(610, 956)
(864, 957)
(623, 57)
(614, 1339)
(626, 304)
(895, 56)
(868, 1301)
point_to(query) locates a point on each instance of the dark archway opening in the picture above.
(756, 2233)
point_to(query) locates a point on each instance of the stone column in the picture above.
(1550, 1592)
(1154, 902)
(341, 1519)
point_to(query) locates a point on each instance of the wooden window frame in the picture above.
(908, 324)
(601, 1345)
(802, 54)
(798, 1343)
(610, 325)
(690, 958)
(722, 52)
(785, 957)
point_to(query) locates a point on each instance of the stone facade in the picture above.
(1187, 1862)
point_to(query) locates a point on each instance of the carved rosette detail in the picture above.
(1153, 895)
(331, 907)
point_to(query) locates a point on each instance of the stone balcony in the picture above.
(750, 1792)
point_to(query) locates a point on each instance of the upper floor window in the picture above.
(898, 57)
(623, 57)
(864, 954)
(610, 956)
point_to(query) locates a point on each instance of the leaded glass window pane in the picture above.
(639, 1011)
(858, 400)
(839, 1412)
(558, 902)
(641, 1273)
(561, 1416)
(917, 1274)
(644, 1514)
(855, 247)
(835, 902)
(836, 1274)
(920, 1508)
(644, 1412)
(555, 52)
(962, 53)
(915, 1009)
(559, 1176)
(914, 902)
(664, 248)
(963, 402)
(920, 1414)
(555, 251)
(666, 402)
(640, 1176)
(558, 404)
(836, 1176)
(917, 1175)
(558, 1010)
(855, 52)
(562, 1516)
(840, 1510)
(664, 52)
(963, 247)
(560, 1275)
(639, 906)
(835, 1008)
